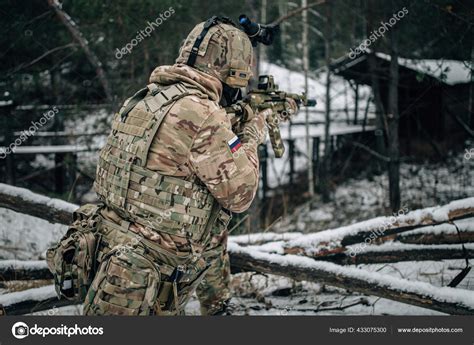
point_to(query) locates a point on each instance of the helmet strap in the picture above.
(214, 20)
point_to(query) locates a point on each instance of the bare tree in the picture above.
(82, 41)
(393, 118)
(325, 168)
(305, 43)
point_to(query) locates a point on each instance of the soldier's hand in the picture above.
(291, 107)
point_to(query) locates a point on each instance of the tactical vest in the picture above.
(174, 205)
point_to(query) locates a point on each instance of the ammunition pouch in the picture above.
(138, 277)
(127, 283)
(72, 261)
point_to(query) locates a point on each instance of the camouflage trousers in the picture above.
(214, 290)
(136, 276)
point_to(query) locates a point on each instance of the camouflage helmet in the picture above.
(224, 52)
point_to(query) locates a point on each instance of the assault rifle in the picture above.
(267, 96)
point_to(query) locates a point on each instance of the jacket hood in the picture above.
(166, 75)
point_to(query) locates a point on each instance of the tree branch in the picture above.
(296, 12)
(77, 35)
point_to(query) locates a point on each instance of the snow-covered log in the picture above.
(385, 253)
(260, 238)
(444, 299)
(440, 234)
(31, 300)
(375, 230)
(25, 201)
(397, 252)
(24, 270)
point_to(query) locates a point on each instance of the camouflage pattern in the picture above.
(72, 259)
(188, 173)
(225, 53)
(169, 178)
(214, 290)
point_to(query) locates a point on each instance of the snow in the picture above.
(395, 246)
(263, 237)
(35, 294)
(270, 247)
(331, 238)
(464, 225)
(444, 294)
(444, 213)
(342, 105)
(6, 103)
(451, 72)
(29, 196)
(23, 237)
(50, 149)
(23, 265)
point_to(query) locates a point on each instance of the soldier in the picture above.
(169, 176)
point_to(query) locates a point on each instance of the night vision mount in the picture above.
(258, 33)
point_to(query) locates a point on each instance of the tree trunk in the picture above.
(375, 84)
(309, 148)
(378, 230)
(325, 167)
(79, 38)
(393, 121)
(471, 90)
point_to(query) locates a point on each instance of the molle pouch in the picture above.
(222, 222)
(72, 260)
(126, 283)
(186, 289)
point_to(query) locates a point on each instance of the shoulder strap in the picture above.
(133, 101)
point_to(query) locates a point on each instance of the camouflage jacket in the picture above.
(196, 138)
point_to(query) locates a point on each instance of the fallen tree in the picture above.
(395, 252)
(378, 229)
(25, 201)
(443, 299)
(440, 234)
(389, 253)
(24, 270)
(31, 301)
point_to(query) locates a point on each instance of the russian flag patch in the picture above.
(234, 144)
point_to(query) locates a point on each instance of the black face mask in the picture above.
(230, 95)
